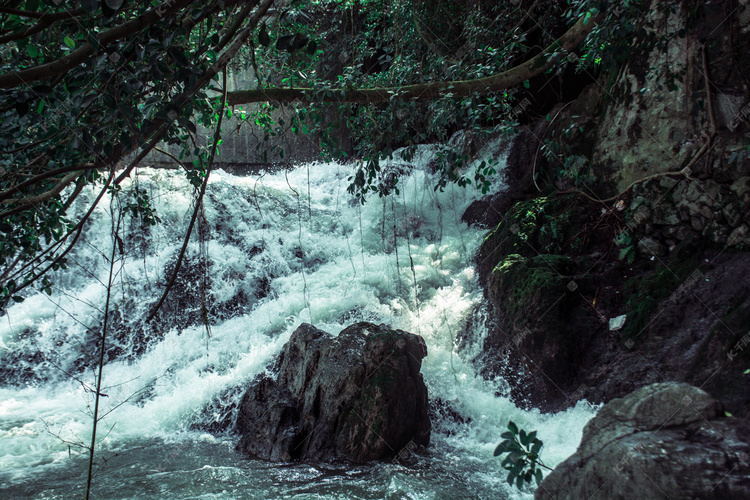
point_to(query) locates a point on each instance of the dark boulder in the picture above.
(667, 440)
(358, 397)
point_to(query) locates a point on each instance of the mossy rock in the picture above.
(544, 325)
(544, 225)
(531, 289)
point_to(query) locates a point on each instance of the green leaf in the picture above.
(536, 447)
(32, 50)
(512, 427)
(503, 447)
(114, 4)
(285, 42)
(538, 475)
(178, 57)
(17, 298)
(69, 42)
(507, 435)
(624, 252)
(526, 84)
(530, 438)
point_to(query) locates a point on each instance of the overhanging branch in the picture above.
(60, 66)
(428, 91)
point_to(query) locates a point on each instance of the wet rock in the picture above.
(666, 440)
(358, 397)
(740, 236)
(535, 299)
(741, 187)
(665, 215)
(679, 232)
(641, 214)
(488, 211)
(697, 222)
(668, 182)
(716, 232)
(650, 246)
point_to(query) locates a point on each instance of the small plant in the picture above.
(627, 250)
(522, 462)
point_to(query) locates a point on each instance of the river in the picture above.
(276, 249)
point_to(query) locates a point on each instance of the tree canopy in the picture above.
(88, 88)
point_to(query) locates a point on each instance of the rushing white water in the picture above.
(279, 249)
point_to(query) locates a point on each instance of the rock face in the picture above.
(357, 397)
(667, 440)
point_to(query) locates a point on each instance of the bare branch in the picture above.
(33, 200)
(198, 204)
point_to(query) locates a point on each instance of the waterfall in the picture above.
(272, 250)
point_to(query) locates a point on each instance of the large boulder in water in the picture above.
(667, 440)
(358, 396)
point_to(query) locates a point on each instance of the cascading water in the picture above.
(274, 250)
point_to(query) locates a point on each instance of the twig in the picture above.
(102, 351)
(198, 204)
(177, 160)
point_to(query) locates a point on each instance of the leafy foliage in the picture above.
(627, 247)
(522, 463)
(81, 91)
(90, 87)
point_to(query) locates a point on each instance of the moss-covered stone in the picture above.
(544, 225)
(531, 287)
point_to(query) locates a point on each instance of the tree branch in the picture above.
(41, 15)
(45, 20)
(33, 200)
(428, 91)
(43, 71)
(198, 204)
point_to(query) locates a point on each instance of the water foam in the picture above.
(406, 261)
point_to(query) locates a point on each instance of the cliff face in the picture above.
(625, 262)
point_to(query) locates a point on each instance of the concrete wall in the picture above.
(242, 149)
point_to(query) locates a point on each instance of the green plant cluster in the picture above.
(392, 43)
(647, 290)
(522, 463)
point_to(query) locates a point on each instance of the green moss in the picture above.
(530, 287)
(541, 225)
